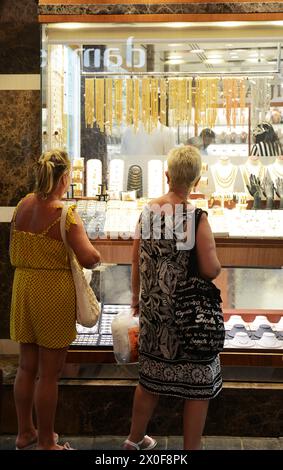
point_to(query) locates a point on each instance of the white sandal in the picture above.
(141, 445)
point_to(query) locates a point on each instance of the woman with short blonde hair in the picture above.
(159, 270)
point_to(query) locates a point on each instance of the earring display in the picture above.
(94, 176)
(155, 178)
(116, 175)
(135, 179)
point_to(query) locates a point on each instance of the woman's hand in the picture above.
(135, 306)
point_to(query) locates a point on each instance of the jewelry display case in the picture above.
(130, 93)
(121, 97)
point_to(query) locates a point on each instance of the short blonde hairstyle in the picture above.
(50, 167)
(184, 166)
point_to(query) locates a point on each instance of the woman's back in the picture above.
(36, 242)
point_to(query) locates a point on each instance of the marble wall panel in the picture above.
(19, 143)
(19, 48)
(162, 8)
(18, 11)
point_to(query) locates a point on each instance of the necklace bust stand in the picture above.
(252, 166)
(224, 175)
(275, 170)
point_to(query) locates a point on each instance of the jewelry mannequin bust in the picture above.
(224, 175)
(276, 169)
(252, 166)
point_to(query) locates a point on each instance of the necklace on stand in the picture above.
(257, 170)
(277, 169)
(224, 180)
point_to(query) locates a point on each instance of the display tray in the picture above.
(253, 337)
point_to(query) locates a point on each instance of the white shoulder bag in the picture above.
(87, 306)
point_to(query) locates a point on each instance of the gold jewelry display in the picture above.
(169, 100)
(153, 103)
(118, 110)
(89, 102)
(146, 103)
(109, 105)
(99, 103)
(129, 101)
(163, 107)
(136, 111)
(206, 94)
(258, 170)
(227, 180)
(234, 98)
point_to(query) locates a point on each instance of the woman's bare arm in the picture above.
(208, 262)
(77, 238)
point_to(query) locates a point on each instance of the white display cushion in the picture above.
(258, 321)
(240, 340)
(234, 320)
(279, 325)
(269, 341)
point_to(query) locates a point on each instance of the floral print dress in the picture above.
(164, 367)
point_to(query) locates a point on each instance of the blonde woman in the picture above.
(43, 298)
(160, 265)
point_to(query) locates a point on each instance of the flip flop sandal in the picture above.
(147, 443)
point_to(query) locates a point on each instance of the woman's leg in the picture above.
(51, 362)
(24, 387)
(143, 407)
(194, 417)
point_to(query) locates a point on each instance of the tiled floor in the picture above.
(164, 443)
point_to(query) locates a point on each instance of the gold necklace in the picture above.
(225, 181)
(248, 172)
(276, 171)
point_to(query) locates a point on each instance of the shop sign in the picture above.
(111, 57)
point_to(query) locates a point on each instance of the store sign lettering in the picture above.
(112, 57)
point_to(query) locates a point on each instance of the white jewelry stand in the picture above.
(276, 169)
(116, 174)
(224, 175)
(94, 176)
(252, 166)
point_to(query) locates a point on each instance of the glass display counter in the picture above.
(254, 333)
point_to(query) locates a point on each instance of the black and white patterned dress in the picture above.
(164, 367)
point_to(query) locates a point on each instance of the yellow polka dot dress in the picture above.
(43, 309)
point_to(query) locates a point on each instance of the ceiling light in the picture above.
(174, 61)
(214, 61)
(196, 51)
(175, 56)
(229, 24)
(175, 44)
(178, 25)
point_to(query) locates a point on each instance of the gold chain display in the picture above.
(169, 101)
(136, 111)
(163, 94)
(129, 101)
(99, 103)
(146, 104)
(109, 105)
(234, 98)
(118, 82)
(206, 94)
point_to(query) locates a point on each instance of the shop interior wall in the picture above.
(19, 121)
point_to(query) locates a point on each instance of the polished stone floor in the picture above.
(164, 443)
